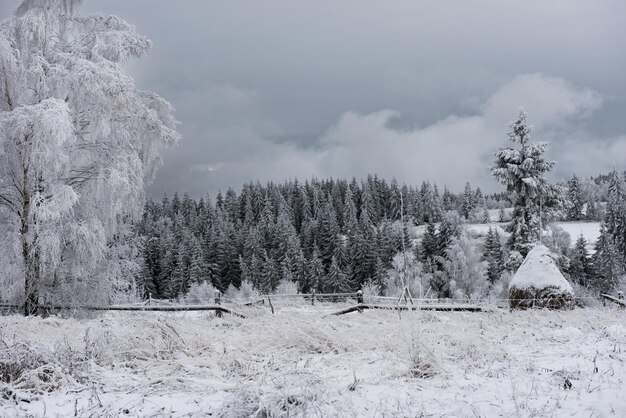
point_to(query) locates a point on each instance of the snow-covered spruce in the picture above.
(539, 283)
(522, 170)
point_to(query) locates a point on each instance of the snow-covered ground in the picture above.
(481, 229)
(303, 362)
(589, 230)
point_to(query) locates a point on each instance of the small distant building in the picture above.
(538, 283)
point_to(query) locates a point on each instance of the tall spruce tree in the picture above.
(615, 215)
(575, 199)
(522, 170)
(607, 263)
(493, 255)
(580, 266)
(468, 202)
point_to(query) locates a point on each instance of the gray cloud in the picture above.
(451, 150)
(417, 90)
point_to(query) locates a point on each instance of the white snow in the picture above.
(494, 214)
(589, 230)
(482, 229)
(302, 362)
(539, 271)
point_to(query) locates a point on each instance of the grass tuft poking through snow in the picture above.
(304, 362)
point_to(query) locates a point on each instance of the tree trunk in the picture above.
(30, 257)
(31, 280)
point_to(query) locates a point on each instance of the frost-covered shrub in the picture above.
(499, 291)
(586, 297)
(464, 270)
(406, 267)
(370, 289)
(200, 293)
(422, 362)
(286, 287)
(245, 292)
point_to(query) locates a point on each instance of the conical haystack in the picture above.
(539, 283)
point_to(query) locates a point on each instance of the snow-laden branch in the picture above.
(79, 139)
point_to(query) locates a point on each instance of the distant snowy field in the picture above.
(589, 230)
(302, 362)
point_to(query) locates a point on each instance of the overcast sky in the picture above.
(417, 90)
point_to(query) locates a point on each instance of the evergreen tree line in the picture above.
(333, 236)
(326, 235)
(585, 198)
(603, 270)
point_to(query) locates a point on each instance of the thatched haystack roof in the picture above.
(539, 283)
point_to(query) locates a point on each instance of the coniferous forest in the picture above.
(334, 236)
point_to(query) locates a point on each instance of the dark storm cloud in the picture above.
(412, 89)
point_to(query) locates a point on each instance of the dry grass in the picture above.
(302, 362)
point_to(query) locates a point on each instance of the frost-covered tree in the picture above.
(575, 199)
(431, 205)
(316, 272)
(336, 281)
(493, 255)
(406, 270)
(615, 216)
(464, 269)
(447, 199)
(501, 213)
(77, 142)
(607, 263)
(522, 170)
(430, 244)
(580, 267)
(485, 216)
(468, 201)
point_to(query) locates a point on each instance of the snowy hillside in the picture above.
(304, 363)
(589, 230)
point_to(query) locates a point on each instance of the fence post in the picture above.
(149, 298)
(313, 297)
(359, 297)
(218, 302)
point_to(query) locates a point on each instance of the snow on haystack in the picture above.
(539, 283)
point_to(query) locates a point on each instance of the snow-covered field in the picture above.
(589, 230)
(303, 362)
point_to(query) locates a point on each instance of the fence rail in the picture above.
(136, 308)
(362, 302)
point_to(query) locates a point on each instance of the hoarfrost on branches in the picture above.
(522, 171)
(78, 143)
